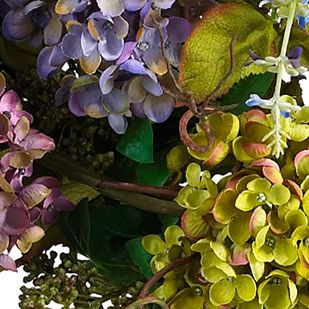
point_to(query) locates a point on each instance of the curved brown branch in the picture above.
(163, 192)
(184, 135)
(160, 274)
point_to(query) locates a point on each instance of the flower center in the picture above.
(198, 291)
(230, 279)
(276, 281)
(143, 46)
(261, 197)
(108, 25)
(7, 114)
(270, 242)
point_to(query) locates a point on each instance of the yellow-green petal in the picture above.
(257, 267)
(222, 292)
(193, 174)
(246, 201)
(154, 244)
(278, 194)
(172, 235)
(238, 228)
(259, 185)
(285, 253)
(246, 288)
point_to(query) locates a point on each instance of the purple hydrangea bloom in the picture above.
(151, 99)
(117, 7)
(32, 21)
(88, 100)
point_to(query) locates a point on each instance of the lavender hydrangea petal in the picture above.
(118, 123)
(88, 43)
(164, 4)
(17, 26)
(133, 66)
(126, 52)
(134, 5)
(135, 91)
(111, 7)
(91, 63)
(71, 43)
(151, 86)
(53, 31)
(45, 69)
(6, 262)
(116, 102)
(158, 109)
(137, 110)
(111, 48)
(107, 79)
(121, 27)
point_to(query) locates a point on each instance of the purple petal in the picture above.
(151, 86)
(107, 79)
(137, 110)
(121, 27)
(38, 141)
(135, 91)
(34, 194)
(7, 263)
(164, 4)
(126, 52)
(16, 218)
(134, 5)
(158, 109)
(88, 43)
(9, 102)
(111, 7)
(71, 43)
(33, 5)
(133, 66)
(53, 31)
(111, 48)
(178, 29)
(118, 123)
(57, 58)
(62, 95)
(116, 102)
(16, 26)
(45, 69)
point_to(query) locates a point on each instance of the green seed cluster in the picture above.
(72, 282)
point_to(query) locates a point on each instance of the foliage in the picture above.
(144, 103)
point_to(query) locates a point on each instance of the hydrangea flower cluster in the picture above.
(247, 235)
(123, 47)
(23, 208)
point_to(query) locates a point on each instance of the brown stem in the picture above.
(60, 165)
(163, 192)
(157, 276)
(183, 132)
(214, 93)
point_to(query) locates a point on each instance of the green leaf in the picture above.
(153, 174)
(140, 256)
(168, 220)
(240, 92)
(75, 225)
(137, 142)
(203, 68)
(78, 191)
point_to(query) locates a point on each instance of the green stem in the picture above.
(277, 148)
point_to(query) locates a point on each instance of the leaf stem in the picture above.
(275, 111)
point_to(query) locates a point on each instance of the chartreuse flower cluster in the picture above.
(248, 237)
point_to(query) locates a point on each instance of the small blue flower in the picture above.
(255, 100)
(303, 18)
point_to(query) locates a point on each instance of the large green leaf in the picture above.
(140, 256)
(100, 230)
(203, 68)
(153, 174)
(137, 142)
(240, 92)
